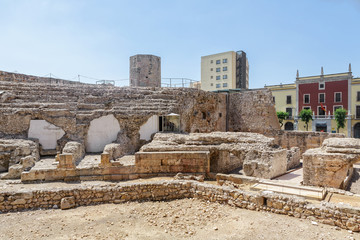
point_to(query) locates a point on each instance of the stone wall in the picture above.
(72, 108)
(254, 152)
(173, 162)
(18, 77)
(252, 111)
(342, 215)
(302, 140)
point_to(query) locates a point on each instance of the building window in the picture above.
(217, 69)
(321, 86)
(321, 110)
(217, 61)
(288, 99)
(225, 60)
(224, 76)
(357, 111)
(358, 97)
(337, 107)
(218, 85)
(338, 97)
(211, 61)
(217, 77)
(211, 77)
(224, 68)
(211, 69)
(321, 97)
(306, 98)
(211, 84)
(274, 99)
(306, 108)
(289, 111)
(224, 84)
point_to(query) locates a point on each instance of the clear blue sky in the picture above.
(96, 37)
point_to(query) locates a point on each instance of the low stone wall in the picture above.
(302, 140)
(148, 164)
(223, 161)
(173, 162)
(340, 215)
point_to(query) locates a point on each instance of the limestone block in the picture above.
(114, 150)
(347, 143)
(105, 159)
(67, 203)
(172, 162)
(332, 164)
(66, 161)
(28, 162)
(14, 172)
(76, 149)
(4, 161)
(267, 164)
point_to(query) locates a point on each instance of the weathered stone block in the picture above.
(66, 161)
(331, 164)
(76, 149)
(67, 203)
(105, 160)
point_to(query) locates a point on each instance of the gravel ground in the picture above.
(179, 219)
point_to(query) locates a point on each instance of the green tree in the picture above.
(282, 116)
(340, 116)
(306, 116)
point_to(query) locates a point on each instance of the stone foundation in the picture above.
(173, 162)
(256, 153)
(302, 140)
(342, 215)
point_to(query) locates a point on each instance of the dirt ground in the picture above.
(179, 219)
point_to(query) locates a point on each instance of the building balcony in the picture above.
(314, 117)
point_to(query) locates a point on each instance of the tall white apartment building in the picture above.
(227, 70)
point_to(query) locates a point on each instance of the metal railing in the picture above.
(351, 116)
(179, 82)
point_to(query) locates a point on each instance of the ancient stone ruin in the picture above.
(63, 131)
(90, 117)
(332, 164)
(255, 153)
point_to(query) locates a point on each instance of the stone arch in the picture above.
(357, 130)
(289, 126)
(102, 131)
(47, 133)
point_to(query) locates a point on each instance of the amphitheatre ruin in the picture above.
(151, 143)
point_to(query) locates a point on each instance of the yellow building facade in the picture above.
(284, 97)
(355, 107)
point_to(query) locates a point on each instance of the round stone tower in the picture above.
(145, 71)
